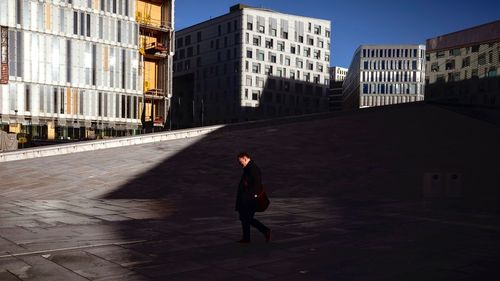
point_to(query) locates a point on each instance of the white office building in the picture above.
(385, 74)
(337, 73)
(248, 64)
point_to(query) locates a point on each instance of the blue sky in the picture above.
(362, 22)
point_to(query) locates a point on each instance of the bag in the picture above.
(262, 201)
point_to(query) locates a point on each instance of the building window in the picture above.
(466, 62)
(249, 26)
(62, 100)
(281, 46)
(249, 54)
(434, 67)
(455, 52)
(269, 70)
(248, 80)
(82, 24)
(481, 59)
(255, 95)
(272, 58)
(269, 43)
(88, 26)
(256, 67)
(99, 104)
(27, 98)
(260, 55)
(307, 52)
(317, 30)
(492, 72)
(317, 54)
(256, 40)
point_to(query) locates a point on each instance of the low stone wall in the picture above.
(104, 144)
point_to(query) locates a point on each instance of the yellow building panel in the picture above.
(68, 98)
(150, 74)
(148, 13)
(106, 58)
(51, 130)
(48, 17)
(95, 4)
(75, 101)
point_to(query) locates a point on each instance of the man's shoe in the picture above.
(244, 241)
(268, 235)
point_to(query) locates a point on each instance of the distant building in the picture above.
(248, 64)
(337, 77)
(464, 66)
(337, 73)
(385, 74)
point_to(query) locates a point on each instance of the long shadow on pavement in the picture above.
(346, 200)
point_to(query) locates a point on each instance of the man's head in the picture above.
(243, 159)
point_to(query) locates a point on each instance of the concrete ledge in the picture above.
(179, 134)
(60, 149)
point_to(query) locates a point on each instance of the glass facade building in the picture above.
(385, 74)
(73, 68)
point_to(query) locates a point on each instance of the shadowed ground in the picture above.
(346, 193)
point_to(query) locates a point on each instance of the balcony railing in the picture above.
(154, 94)
(147, 20)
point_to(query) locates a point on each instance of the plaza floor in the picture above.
(347, 203)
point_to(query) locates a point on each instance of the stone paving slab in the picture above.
(346, 205)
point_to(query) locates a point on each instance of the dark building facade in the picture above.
(463, 67)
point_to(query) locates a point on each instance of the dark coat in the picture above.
(250, 185)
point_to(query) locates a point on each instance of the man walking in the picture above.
(246, 199)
